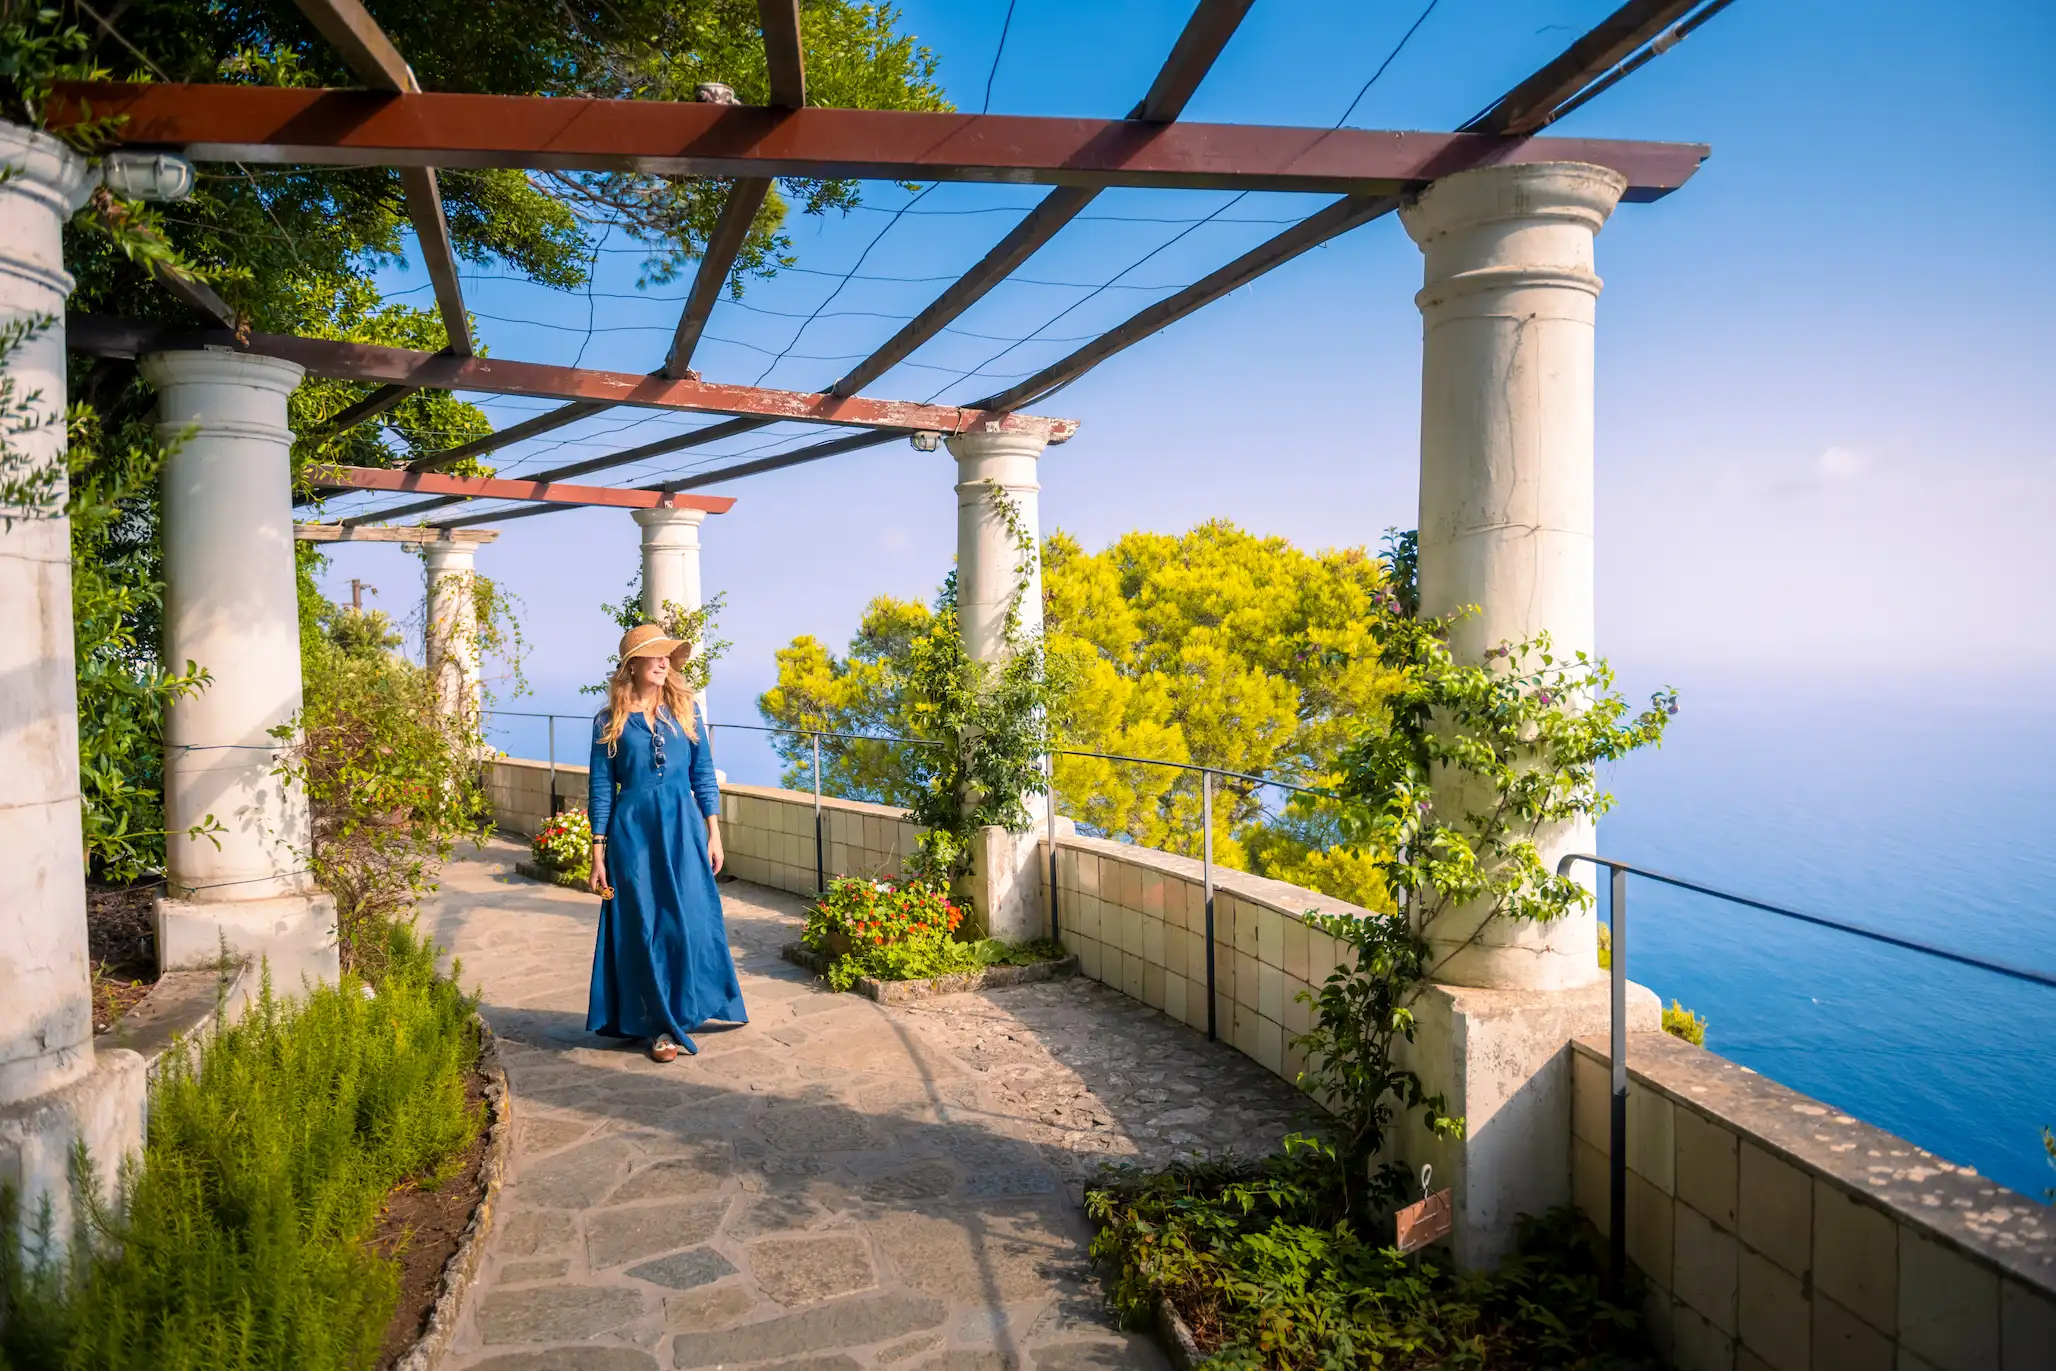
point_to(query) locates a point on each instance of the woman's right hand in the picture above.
(596, 881)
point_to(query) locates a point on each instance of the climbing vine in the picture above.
(1520, 736)
(991, 719)
(693, 627)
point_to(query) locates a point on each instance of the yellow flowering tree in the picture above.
(1214, 647)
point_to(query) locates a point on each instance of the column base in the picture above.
(103, 1110)
(295, 935)
(1501, 1061)
(1006, 884)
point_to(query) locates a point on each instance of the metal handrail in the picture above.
(1617, 918)
(1206, 807)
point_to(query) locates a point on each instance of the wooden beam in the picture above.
(1205, 34)
(786, 63)
(432, 235)
(490, 488)
(731, 231)
(699, 437)
(370, 407)
(513, 433)
(1634, 23)
(1532, 103)
(197, 296)
(1212, 23)
(1199, 44)
(296, 126)
(776, 462)
(343, 533)
(784, 53)
(498, 376)
(371, 57)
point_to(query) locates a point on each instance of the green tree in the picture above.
(1214, 647)
(296, 250)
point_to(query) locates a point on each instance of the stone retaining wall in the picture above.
(1136, 918)
(1778, 1232)
(768, 833)
(1775, 1231)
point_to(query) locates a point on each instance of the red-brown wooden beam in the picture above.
(94, 334)
(1212, 24)
(1628, 28)
(487, 488)
(785, 55)
(1205, 34)
(785, 61)
(372, 59)
(777, 461)
(271, 125)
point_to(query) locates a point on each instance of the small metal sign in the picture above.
(1419, 1224)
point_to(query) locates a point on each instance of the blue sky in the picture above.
(1823, 449)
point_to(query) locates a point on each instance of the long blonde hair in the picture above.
(621, 702)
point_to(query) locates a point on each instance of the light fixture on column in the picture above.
(159, 177)
(925, 440)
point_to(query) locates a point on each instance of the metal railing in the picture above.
(1617, 917)
(1207, 777)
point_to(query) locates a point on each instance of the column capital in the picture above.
(446, 555)
(47, 182)
(666, 517)
(220, 366)
(1577, 191)
(969, 447)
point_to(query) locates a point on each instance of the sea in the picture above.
(1933, 820)
(1920, 817)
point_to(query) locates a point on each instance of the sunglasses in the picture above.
(657, 745)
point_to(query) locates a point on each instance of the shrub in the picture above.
(272, 1147)
(901, 932)
(1264, 1265)
(1681, 1022)
(565, 844)
(392, 785)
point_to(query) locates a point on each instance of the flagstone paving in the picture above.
(835, 1185)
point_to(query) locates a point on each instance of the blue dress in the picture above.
(661, 964)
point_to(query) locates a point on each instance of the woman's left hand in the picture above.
(715, 856)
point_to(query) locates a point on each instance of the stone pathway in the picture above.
(834, 1186)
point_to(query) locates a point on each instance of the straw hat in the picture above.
(647, 640)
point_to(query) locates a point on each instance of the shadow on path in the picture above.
(834, 1185)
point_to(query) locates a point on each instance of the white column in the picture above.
(55, 1091)
(670, 559)
(1506, 471)
(1006, 876)
(671, 566)
(1506, 525)
(452, 626)
(231, 605)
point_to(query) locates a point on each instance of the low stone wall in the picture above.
(520, 790)
(1136, 918)
(1775, 1231)
(1779, 1232)
(769, 835)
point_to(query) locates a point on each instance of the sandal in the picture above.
(662, 1049)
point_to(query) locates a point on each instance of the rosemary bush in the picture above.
(1262, 1261)
(271, 1150)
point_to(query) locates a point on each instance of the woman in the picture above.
(661, 967)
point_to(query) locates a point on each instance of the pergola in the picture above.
(392, 122)
(1504, 214)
